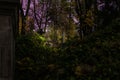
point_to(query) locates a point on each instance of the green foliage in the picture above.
(30, 50)
(96, 57)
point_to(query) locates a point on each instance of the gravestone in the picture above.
(8, 31)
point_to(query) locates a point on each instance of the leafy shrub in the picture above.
(31, 56)
(96, 57)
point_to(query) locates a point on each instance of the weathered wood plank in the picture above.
(6, 44)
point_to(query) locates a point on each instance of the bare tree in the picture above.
(24, 14)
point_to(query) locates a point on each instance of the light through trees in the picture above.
(60, 20)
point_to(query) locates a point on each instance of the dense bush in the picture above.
(32, 57)
(98, 54)
(96, 57)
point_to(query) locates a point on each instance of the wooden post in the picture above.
(8, 32)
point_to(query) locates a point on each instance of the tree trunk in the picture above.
(24, 16)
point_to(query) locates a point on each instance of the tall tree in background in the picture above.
(95, 13)
(24, 14)
(61, 13)
(85, 12)
(33, 13)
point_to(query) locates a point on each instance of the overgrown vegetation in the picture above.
(96, 57)
(84, 35)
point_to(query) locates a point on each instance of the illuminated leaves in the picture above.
(78, 71)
